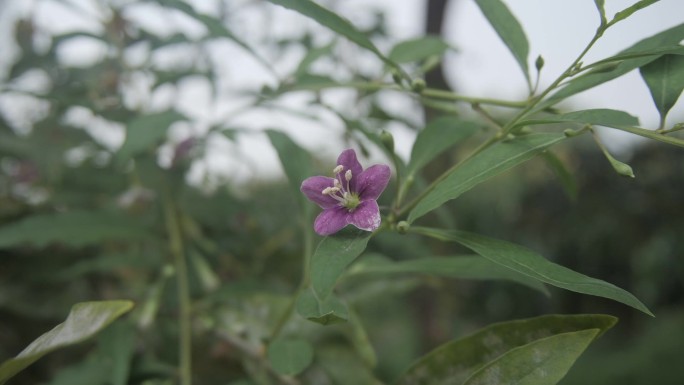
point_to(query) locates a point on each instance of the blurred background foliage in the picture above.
(81, 219)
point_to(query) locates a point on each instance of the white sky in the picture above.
(556, 29)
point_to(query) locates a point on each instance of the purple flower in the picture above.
(349, 197)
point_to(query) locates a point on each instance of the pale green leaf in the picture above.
(421, 48)
(85, 320)
(325, 312)
(600, 6)
(509, 30)
(290, 356)
(438, 136)
(489, 163)
(332, 257)
(525, 261)
(312, 55)
(146, 132)
(463, 267)
(599, 116)
(456, 361)
(665, 80)
(542, 362)
(627, 12)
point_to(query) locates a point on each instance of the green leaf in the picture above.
(463, 267)
(295, 160)
(525, 261)
(332, 257)
(542, 362)
(493, 161)
(145, 132)
(421, 48)
(73, 228)
(665, 80)
(438, 136)
(456, 361)
(325, 312)
(667, 38)
(565, 177)
(312, 55)
(599, 116)
(290, 356)
(85, 320)
(509, 30)
(627, 12)
(335, 22)
(117, 344)
(600, 6)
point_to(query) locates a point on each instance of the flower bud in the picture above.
(418, 85)
(402, 227)
(539, 63)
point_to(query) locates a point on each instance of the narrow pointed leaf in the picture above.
(463, 267)
(312, 55)
(290, 356)
(456, 361)
(565, 177)
(418, 49)
(438, 136)
(665, 80)
(600, 6)
(599, 116)
(489, 163)
(146, 132)
(332, 257)
(668, 38)
(325, 312)
(84, 321)
(509, 30)
(542, 362)
(627, 12)
(528, 262)
(295, 160)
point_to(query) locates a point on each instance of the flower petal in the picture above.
(331, 221)
(312, 187)
(372, 182)
(366, 216)
(349, 161)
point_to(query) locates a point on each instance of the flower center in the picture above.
(341, 191)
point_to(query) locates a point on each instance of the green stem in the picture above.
(447, 95)
(176, 247)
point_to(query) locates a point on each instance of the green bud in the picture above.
(418, 85)
(539, 63)
(396, 76)
(387, 140)
(402, 227)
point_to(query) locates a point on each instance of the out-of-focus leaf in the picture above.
(525, 261)
(325, 312)
(344, 367)
(665, 80)
(627, 12)
(667, 38)
(117, 344)
(456, 361)
(332, 257)
(145, 132)
(335, 22)
(418, 49)
(599, 116)
(542, 362)
(85, 320)
(565, 177)
(290, 356)
(438, 136)
(509, 30)
(490, 162)
(74, 228)
(312, 55)
(464, 267)
(295, 160)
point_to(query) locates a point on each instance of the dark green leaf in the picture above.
(627, 12)
(85, 320)
(439, 135)
(509, 30)
(146, 132)
(525, 261)
(598, 116)
(489, 163)
(325, 312)
(456, 361)
(665, 80)
(333, 21)
(567, 180)
(667, 38)
(117, 344)
(74, 228)
(332, 257)
(542, 362)
(418, 49)
(290, 356)
(464, 267)
(295, 160)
